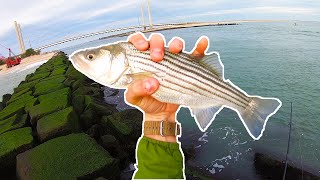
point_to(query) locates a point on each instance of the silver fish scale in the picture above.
(178, 74)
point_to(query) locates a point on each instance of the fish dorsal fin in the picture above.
(213, 63)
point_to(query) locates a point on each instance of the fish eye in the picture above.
(91, 57)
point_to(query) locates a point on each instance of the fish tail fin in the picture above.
(257, 113)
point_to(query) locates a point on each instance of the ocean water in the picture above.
(268, 59)
(277, 59)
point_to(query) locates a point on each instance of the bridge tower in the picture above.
(19, 37)
(149, 12)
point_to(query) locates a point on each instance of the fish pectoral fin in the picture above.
(140, 76)
(205, 116)
(213, 63)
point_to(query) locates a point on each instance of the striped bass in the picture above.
(197, 84)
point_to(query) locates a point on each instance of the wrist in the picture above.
(164, 116)
(170, 117)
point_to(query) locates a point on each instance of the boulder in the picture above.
(23, 98)
(47, 86)
(39, 75)
(110, 142)
(270, 166)
(58, 71)
(88, 118)
(28, 76)
(6, 98)
(11, 110)
(94, 111)
(23, 92)
(125, 125)
(13, 143)
(57, 124)
(1, 106)
(75, 156)
(87, 90)
(23, 86)
(78, 104)
(95, 131)
(47, 106)
(14, 122)
(65, 91)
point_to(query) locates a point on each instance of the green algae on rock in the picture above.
(57, 124)
(82, 158)
(47, 106)
(125, 124)
(13, 143)
(14, 122)
(38, 76)
(47, 86)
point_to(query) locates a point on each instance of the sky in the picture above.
(46, 21)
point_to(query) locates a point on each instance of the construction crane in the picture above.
(12, 59)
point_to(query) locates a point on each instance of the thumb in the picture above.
(141, 88)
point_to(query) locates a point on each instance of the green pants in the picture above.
(158, 160)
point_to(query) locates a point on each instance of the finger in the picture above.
(201, 47)
(156, 47)
(139, 41)
(137, 90)
(175, 45)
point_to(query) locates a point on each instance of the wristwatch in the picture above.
(163, 128)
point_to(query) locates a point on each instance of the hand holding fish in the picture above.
(194, 80)
(139, 92)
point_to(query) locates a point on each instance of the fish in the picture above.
(197, 84)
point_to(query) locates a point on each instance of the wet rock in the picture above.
(94, 111)
(23, 86)
(13, 143)
(14, 122)
(65, 91)
(47, 86)
(38, 76)
(87, 90)
(6, 98)
(67, 157)
(23, 98)
(57, 124)
(269, 167)
(58, 71)
(126, 124)
(78, 104)
(11, 110)
(17, 95)
(95, 131)
(47, 106)
(110, 142)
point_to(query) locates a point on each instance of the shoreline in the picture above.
(25, 62)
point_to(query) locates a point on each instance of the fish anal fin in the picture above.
(205, 116)
(213, 63)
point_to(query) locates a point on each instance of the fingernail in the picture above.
(157, 52)
(148, 85)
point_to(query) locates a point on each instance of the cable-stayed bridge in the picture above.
(142, 28)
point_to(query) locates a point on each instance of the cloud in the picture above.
(35, 12)
(120, 6)
(255, 10)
